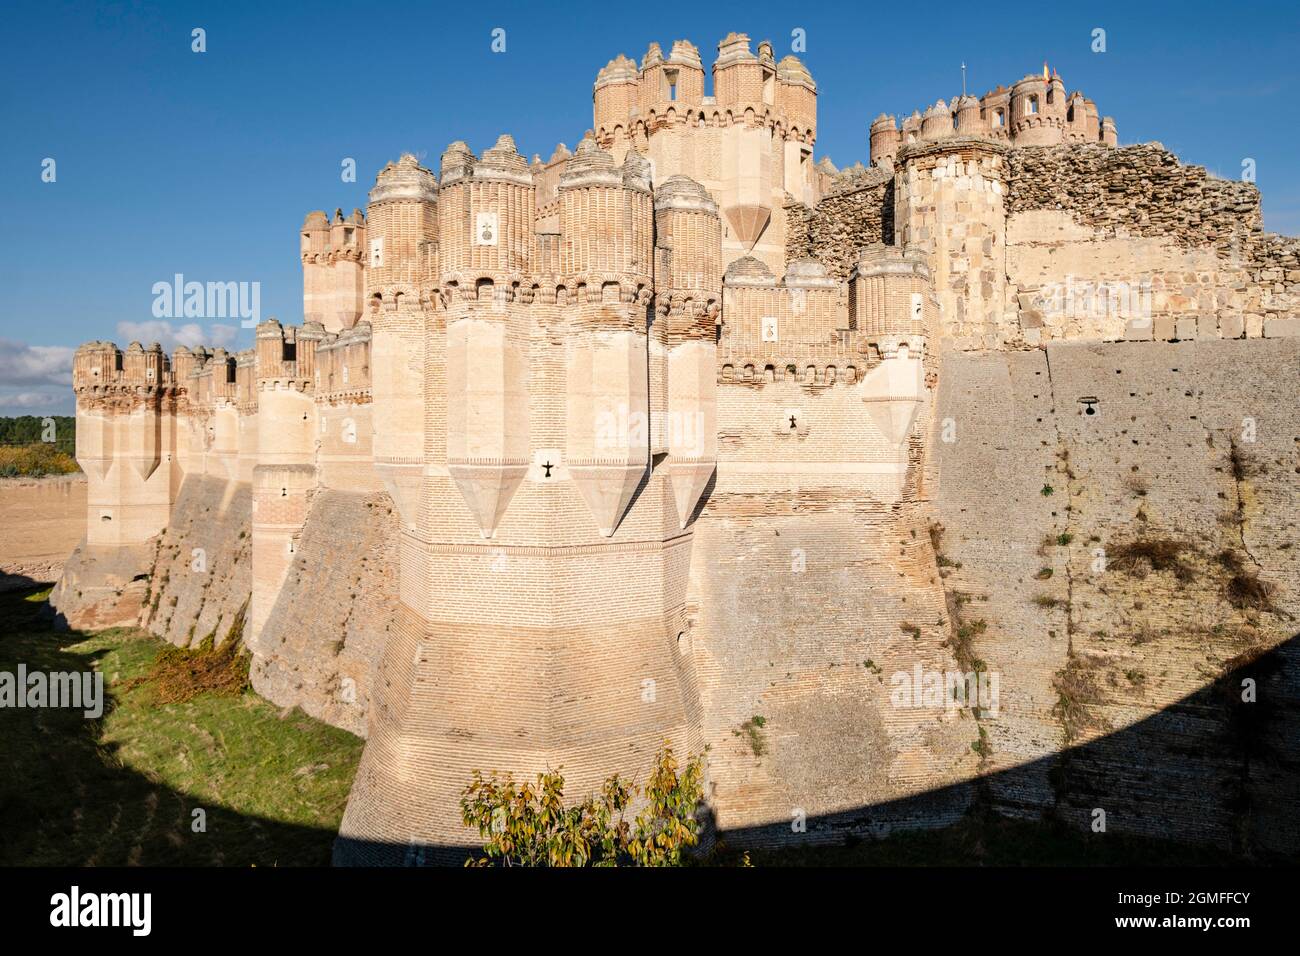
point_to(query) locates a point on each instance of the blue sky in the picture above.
(170, 161)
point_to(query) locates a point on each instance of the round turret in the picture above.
(1032, 122)
(937, 122)
(968, 119)
(402, 205)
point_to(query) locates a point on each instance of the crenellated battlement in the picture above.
(102, 366)
(333, 263)
(1035, 111)
(752, 89)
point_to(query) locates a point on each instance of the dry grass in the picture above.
(1076, 694)
(1245, 591)
(1241, 468)
(181, 674)
(963, 644)
(1142, 555)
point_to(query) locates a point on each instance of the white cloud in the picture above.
(23, 364)
(37, 403)
(170, 335)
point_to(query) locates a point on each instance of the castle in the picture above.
(572, 457)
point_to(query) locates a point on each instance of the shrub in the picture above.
(753, 729)
(1076, 696)
(528, 824)
(35, 461)
(179, 674)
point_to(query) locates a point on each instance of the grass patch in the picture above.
(753, 730)
(123, 789)
(963, 644)
(1237, 461)
(1247, 591)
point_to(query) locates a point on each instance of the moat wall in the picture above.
(806, 597)
(332, 619)
(1108, 673)
(202, 571)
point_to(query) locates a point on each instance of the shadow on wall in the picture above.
(1241, 811)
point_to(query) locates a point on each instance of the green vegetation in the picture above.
(124, 788)
(528, 825)
(29, 429)
(753, 729)
(33, 447)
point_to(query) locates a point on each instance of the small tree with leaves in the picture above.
(527, 824)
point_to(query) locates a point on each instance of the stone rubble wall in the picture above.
(1097, 243)
(1135, 190)
(1130, 244)
(857, 211)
